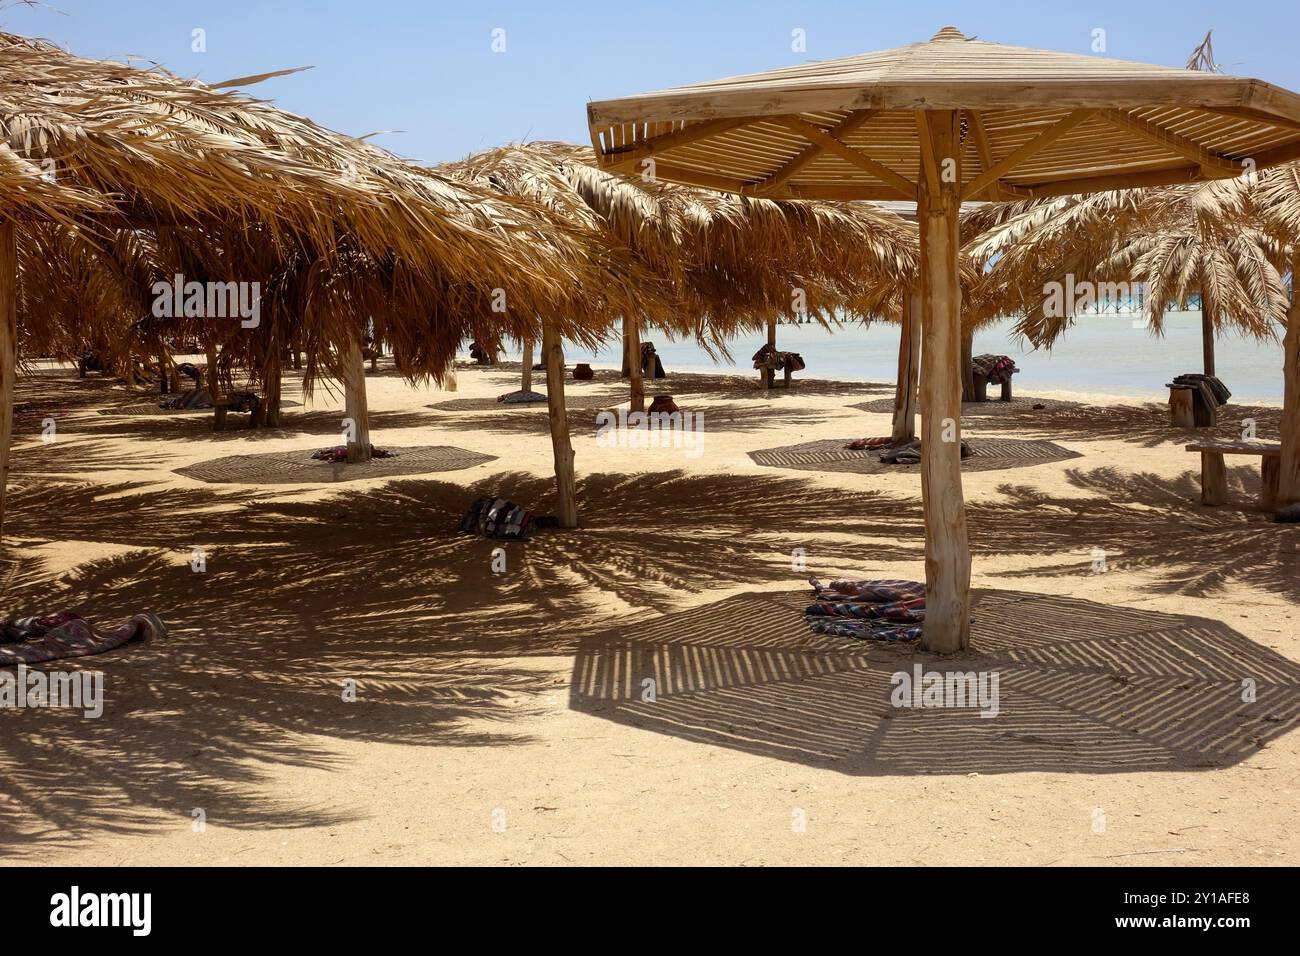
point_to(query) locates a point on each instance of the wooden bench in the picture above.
(982, 388)
(221, 408)
(767, 376)
(1214, 474)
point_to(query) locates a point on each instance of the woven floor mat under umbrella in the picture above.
(298, 467)
(987, 454)
(1082, 688)
(1017, 408)
(608, 400)
(153, 409)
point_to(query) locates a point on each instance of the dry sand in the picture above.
(499, 717)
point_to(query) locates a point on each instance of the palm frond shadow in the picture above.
(376, 586)
(1144, 522)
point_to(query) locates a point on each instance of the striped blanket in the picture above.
(34, 640)
(885, 610)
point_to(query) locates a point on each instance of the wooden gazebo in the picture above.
(940, 123)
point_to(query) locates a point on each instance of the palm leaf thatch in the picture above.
(1174, 239)
(733, 263)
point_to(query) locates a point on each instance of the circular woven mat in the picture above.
(994, 408)
(492, 405)
(987, 454)
(298, 467)
(153, 409)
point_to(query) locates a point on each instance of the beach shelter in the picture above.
(939, 123)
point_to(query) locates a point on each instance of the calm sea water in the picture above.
(1101, 354)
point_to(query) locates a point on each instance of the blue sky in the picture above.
(427, 68)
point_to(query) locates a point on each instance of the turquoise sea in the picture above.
(1101, 354)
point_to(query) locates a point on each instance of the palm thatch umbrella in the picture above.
(354, 232)
(940, 123)
(727, 264)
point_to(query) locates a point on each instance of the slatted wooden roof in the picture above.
(1034, 123)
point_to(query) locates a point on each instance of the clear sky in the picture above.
(428, 68)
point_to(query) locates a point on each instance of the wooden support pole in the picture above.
(1207, 337)
(632, 356)
(565, 488)
(526, 383)
(270, 412)
(769, 375)
(8, 350)
(1288, 478)
(947, 552)
(969, 393)
(354, 400)
(909, 354)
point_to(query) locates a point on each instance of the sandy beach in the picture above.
(500, 715)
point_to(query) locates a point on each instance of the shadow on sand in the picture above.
(1082, 688)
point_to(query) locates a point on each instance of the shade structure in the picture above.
(940, 123)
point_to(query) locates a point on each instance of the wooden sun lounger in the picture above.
(1188, 410)
(1214, 474)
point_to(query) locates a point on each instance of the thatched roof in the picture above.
(1035, 123)
(259, 194)
(731, 263)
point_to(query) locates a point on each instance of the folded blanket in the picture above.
(887, 610)
(34, 640)
(910, 454)
(995, 368)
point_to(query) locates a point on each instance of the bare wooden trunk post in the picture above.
(1288, 479)
(354, 400)
(635, 373)
(566, 492)
(769, 375)
(8, 350)
(526, 384)
(270, 412)
(969, 392)
(947, 552)
(1207, 338)
(909, 353)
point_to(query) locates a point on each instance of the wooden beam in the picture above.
(623, 157)
(1212, 164)
(354, 400)
(8, 350)
(1095, 184)
(851, 123)
(1000, 189)
(565, 486)
(947, 551)
(815, 134)
(1207, 337)
(1255, 116)
(1006, 164)
(909, 353)
(929, 165)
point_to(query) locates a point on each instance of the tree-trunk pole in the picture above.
(636, 374)
(354, 400)
(565, 487)
(1288, 484)
(274, 376)
(1207, 337)
(214, 382)
(527, 383)
(968, 392)
(947, 552)
(909, 353)
(8, 350)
